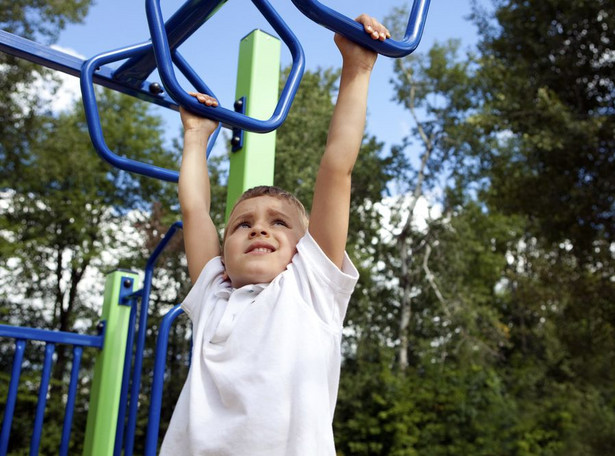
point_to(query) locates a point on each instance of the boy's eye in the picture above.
(242, 225)
(280, 222)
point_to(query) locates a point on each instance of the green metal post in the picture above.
(258, 77)
(107, 383)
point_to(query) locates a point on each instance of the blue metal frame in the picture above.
(134, 354)
(88, 71)
(21, 336)
(131, 385)
(153, 422)
(165, 40)
(186, 20)
(164, 60)
(337, 22)
(69, 64)
(105, 76)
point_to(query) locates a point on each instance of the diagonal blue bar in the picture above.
(186, 20)
(135, 391)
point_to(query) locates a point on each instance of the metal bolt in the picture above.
(155, 88)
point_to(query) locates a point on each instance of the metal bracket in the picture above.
(126, 293)
(238, 133)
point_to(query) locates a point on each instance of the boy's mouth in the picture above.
(260, 248)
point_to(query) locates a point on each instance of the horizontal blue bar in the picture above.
(55, 337)
(69, 64)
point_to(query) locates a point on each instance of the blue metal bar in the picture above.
(186, 20)
(57, 60)
(70, 401)
(90, 67)
(42, 399)
(9, 410)
(93, 119)
(56, 337)
(121, 415)
(200, 86)
(153, 422)
(193, 78)
(162, 51)
(138, 361)
(351, 29)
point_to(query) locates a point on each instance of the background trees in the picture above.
(546, 76)
(508, 293)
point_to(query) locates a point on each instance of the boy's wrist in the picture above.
(197, 131)
(354, 72)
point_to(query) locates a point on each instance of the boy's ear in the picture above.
(224, 273)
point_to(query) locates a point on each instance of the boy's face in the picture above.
(262, 236)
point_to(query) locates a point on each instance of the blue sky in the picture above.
(212, 50)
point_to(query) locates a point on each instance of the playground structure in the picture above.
(121, 337)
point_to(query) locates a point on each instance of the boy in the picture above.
(267, 313)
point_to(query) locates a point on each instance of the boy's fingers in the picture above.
(374, 28)
(204, 99)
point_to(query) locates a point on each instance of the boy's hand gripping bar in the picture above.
(351, 29)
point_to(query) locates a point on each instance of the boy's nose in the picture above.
(258, 232)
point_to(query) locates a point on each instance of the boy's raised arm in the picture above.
(200, 235)
(331, 206)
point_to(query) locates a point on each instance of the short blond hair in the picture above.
(274, 192)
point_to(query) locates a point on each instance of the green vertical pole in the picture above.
(107, 383)
(258, 77)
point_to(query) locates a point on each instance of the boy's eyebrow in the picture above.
(240, 216)
(277, 213)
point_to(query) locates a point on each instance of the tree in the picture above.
(36, 20)
(546, 78)
(548, 75)
(436, 89)
(65, 213)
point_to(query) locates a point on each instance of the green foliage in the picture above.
(547, 80)
(64, 210)
(511, 329)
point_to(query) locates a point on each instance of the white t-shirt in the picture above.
(266, 361)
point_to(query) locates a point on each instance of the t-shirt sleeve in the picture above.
(210, 279)
(322, 283)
